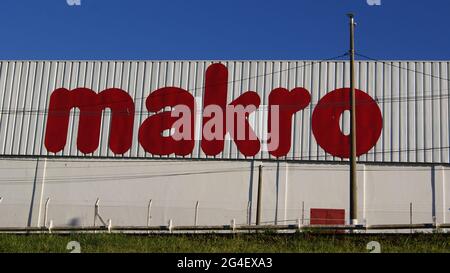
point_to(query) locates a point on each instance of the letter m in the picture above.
(91, 106)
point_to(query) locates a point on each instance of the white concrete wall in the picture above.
(223, 189)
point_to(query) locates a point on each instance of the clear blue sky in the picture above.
(222, 29)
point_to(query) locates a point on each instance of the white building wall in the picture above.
(413, 97)
(222, 188)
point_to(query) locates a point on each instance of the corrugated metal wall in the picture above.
(413, 97)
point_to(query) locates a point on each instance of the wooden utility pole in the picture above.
(353, 179)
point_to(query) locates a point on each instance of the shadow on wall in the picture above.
(75, 222)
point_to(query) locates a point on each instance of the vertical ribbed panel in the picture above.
(413, 97)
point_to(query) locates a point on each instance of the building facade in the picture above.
(76, 132)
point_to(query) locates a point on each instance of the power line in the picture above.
(312, 158)
(146, 175)
(378, 100)
(286, 106)
(311, 63)
(403, 68)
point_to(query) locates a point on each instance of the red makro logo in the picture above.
(220, 117)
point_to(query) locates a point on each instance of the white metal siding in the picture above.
(413, 98)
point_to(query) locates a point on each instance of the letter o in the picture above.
(326, 119)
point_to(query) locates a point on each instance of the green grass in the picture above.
(243, 243)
